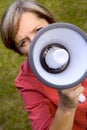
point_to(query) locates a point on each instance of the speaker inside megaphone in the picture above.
(58, 55)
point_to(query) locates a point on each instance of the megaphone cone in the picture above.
(58, 55)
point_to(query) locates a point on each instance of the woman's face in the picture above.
(29, 25)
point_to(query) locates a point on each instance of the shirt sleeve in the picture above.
(40, 107)
(37, 106)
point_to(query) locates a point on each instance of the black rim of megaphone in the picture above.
(43, 61)
(31, 49)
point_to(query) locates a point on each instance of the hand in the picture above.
(69, 98)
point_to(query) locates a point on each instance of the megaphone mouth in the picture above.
(54, 58)
(66, 42)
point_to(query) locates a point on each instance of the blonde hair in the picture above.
(11, 18)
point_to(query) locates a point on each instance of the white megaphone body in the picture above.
(58, 55)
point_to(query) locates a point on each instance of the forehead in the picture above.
(29, 14)
(28, 21)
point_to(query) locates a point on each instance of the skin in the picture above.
(65, 113)
(69, 98)
(30, 24)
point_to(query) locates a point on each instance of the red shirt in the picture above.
(41, 102)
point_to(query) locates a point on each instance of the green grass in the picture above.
(12, 113)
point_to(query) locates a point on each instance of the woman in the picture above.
(47, 108)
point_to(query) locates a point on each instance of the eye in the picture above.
(38, 29)
(24, 42)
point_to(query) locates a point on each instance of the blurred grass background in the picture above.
(12, 113)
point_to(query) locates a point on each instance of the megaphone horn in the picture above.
(58, 55)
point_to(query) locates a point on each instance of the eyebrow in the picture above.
(38, 26)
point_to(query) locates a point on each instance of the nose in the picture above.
(31, 37)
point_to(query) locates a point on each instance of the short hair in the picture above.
(11, 19)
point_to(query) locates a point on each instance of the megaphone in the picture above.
(58, 55)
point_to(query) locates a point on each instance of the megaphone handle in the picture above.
(81, 98)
